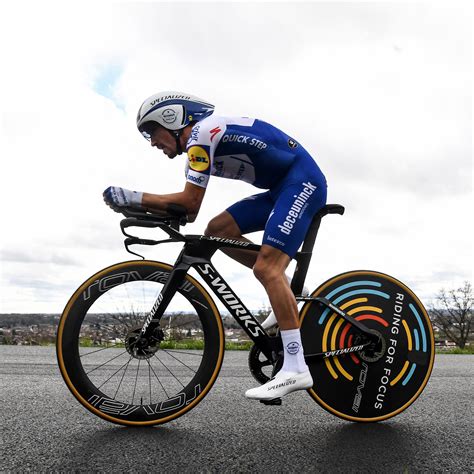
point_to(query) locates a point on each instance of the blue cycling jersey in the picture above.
(258, 153)
(239, 148)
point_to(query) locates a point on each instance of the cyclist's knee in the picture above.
(222, 225)
(215, 227)
(270, 265)
(265, 272)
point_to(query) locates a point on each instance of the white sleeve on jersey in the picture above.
(200, 149)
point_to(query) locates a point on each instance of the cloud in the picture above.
(36, 256)
(38, 285)
(379, 93)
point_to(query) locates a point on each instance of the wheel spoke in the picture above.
(116, 372)
(149, 380)
(98, 350)
(136, 379)
(110, 360)
(156, 376)
(180, 361)
(177, 351)
(171, 373)
(123, 375)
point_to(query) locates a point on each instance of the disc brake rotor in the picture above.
(140, 347)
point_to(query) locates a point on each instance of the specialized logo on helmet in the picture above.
(169, 97)
(198, 158)
(169, 115)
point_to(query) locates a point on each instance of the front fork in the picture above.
(174, 281)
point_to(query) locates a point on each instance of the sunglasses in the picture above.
(148, 129)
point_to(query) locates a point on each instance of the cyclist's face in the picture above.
(164, 140)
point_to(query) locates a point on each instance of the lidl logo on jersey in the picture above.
(198, 158)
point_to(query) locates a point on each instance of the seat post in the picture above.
(303, 258)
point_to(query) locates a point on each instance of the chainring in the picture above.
(260, 367)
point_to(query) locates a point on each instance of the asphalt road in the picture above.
(43, 428)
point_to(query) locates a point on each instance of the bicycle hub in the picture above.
(140, 347)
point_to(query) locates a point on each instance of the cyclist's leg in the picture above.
(294, 209)
(248, 215)
(296, 204)
(270, 271)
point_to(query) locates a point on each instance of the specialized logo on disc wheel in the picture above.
(381, 380)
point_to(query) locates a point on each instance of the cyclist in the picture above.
(258, 153)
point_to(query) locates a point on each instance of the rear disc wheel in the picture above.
(379, 382)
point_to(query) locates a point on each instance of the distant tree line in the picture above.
(451, 313)
(23, 320)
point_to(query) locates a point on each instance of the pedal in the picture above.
(275, 401)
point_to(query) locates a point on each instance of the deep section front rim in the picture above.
(164, 380)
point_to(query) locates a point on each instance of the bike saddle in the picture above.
(332, 209)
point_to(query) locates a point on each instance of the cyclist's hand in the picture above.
(116, 197)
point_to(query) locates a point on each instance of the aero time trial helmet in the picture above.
(172, 110)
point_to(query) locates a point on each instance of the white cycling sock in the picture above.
(293, 351)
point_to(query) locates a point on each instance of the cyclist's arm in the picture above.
(191, 198)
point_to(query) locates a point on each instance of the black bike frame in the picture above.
(197, 253)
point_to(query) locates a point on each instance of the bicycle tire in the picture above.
(359, 386)
(87, 335)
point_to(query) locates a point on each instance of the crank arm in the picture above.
(336, 352)
(360, 326)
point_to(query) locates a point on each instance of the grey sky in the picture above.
(379, 93)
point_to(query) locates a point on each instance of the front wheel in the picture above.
(371, 385)
(121, 381)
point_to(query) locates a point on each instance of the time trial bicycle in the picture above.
(142, 342)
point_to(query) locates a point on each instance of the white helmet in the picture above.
(172, 110)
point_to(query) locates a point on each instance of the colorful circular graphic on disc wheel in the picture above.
(359, 386)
